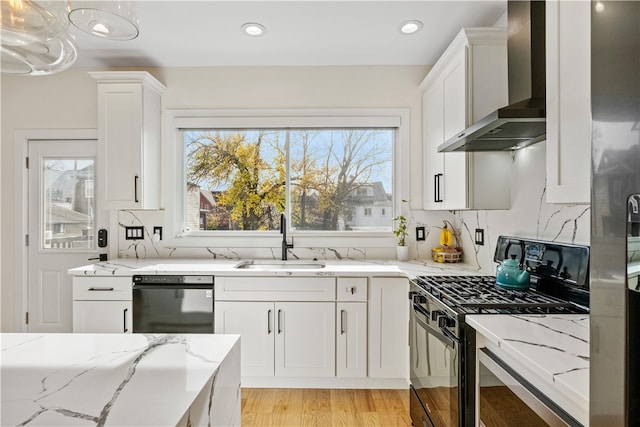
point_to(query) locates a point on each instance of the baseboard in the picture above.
(315, 382)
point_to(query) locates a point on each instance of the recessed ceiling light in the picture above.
(253, 29)
(410, 27)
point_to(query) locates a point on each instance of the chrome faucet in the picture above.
(283, 230)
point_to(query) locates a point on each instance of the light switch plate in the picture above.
(420, 235)
(480, 236)
(134, 233)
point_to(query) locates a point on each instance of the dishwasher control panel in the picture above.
(168, 279)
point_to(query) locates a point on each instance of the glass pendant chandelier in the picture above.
(111, 19)
(35, 37)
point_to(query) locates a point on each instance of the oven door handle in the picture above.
(420, 309)
(449, 339)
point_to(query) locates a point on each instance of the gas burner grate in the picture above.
(480, 294)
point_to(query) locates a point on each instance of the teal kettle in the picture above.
(509, 275)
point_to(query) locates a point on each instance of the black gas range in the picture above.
(443, 347)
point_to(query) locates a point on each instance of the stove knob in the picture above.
(445, 322)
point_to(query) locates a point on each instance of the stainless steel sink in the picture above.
(267, 265)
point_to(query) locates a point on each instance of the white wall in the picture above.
(68, 100)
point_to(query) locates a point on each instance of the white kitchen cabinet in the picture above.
(287, 324)
(102, 304)
(281, 338)
(351, 339)
(253, 320)
(351, 327)
(305, 339)
(102, 316)
(468, 82)
(389, 327)
(568, 56)
(128, 169)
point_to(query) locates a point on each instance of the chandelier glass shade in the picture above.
(113, 20)
(35, 37)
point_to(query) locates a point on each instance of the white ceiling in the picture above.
(180, 33)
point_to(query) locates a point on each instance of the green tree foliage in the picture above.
(253, 186)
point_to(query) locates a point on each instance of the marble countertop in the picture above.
(105, 379)
(550, 351)
(129, 267)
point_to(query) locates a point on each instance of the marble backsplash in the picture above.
(529, 217)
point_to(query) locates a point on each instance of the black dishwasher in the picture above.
(173, 304)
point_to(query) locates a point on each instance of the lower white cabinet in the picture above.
(281, 338)
(305, 339)
(102, 304)
(389, 327)
(102, 316)
(253, 320)
(318, 331)
(351, 339)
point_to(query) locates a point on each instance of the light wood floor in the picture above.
(324, 407)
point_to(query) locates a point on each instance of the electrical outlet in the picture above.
(480, 236)
(420, 234)
(134, 233)
(158, 231)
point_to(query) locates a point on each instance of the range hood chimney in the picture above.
(523, 121)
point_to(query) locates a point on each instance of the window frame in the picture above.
(174, 171)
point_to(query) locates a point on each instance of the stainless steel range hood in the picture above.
(523, 121)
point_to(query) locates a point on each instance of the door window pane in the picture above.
(68, 204)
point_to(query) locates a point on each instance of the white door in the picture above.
(254, 321)
(305, 339)
(61, 227)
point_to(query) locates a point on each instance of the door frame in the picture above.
(21, 205)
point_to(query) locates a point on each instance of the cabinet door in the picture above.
(351, 339)
(568, 29)
(305, 339)
(128, 139)
(119, 143)
(454, 184)
(102, 316)
(254, 321)
(432, 105)
(389, 328)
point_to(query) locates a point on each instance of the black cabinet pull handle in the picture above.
(269, 322)
(279, 322)
(125, 320)
(135, 188)
(436, 189)
(342, 321)
(101, 289)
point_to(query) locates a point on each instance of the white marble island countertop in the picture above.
(119, 379)
(550, 351)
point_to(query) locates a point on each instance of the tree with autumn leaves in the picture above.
(249, 168)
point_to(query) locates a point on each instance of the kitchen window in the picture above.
(233, 175)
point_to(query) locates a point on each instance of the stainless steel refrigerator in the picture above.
(615, 220)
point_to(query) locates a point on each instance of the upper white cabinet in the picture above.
(468, 82)
(129, 139)
(568, 57)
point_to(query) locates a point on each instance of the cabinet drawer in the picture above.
(352, 289)
(275, 288)
(102, 288)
